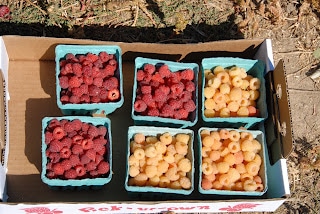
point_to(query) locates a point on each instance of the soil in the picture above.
(293, 26)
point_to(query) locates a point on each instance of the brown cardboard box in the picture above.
(29, 71)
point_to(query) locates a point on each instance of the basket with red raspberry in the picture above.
(89, 79)
(76, 151)
(165, 93)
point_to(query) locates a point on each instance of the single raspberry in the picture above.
(64, 82)
(112, 60)
(72, 134)
(70, 57)
(108, 70)
(58, 169)
(167, 111)
(48, 137)
(96, 72)
(93, 131)
(54, 157)
(149, 68)
(77, 124)
(110, 83)
(53, 124)
(189, 106)
(4, 12)
(187, 74)
(140, 75)
(190, 86)
(95, 99)
(93, 90)
(181, 114)
(68, 68)
(65, 152)
(85, 127)
(177, 88)
(87, 144)
(185, 96)
(70, 174)
(113, 94)
(98, 64)
(104, 56)
(140, 106)
(98, 81)
(74, 99)
(147, 78)
(164, 70)
(85, 98)
(92, 57)
(154, 84)
(102, 130)
(84, 159)
(93, 173)
(77, 91)
(55, 146)
(91, 154)
(50, 174)
(87, 71)
(87, 62)
(66, 142)
(102, 151)
(74, 159)
(77, 69)
(77, 139)
(148, 99)
(154, 112)
(98, 159)
(103, 96)
(91, 166)
(81, 171)
(146, 89)
(98, 147)
(64, 99)
(66, 164)
(103, 167)
(81, 57)
(165, 89)
(77, 149)
(175, 103)
(175, 77)
(49, 166)
(159, 95)
(100, 140)
(157, 77)
(159, 105)
(74, 82)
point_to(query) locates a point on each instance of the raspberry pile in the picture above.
(76, 150)
(163, 93)
(89, 78)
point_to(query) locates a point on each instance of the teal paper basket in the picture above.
(258, 135)
(256, 68)
(89, 108)
(78, 183)
(158, 120)
(159, 191)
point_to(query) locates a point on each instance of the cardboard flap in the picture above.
(279, 122)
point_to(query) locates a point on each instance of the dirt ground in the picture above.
(293, 26)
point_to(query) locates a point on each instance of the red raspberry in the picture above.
(64, 99)
(91, 154)
(154, 84)
(154, 112)
(95, 99)
(93, 90)
(77, 139)
(4, 11)
(70, 57)
(92, 57)
(149, 68)
(102, 151)
(50, 174)
(91, 166)
(98, 64)
(74, 99)
(165, 89)
(93, 131)
(112, 60)
(87, 62)
(98, 147)
(111, 83)
(164, 71)
(146, 89)
(78, 92)
(103, 167)
(167, 111)
(93, 173)
(189, 106)
(85, 127)
(102, 130)
(72, 134)
(81, 58)
(185, 96)
(84, 159)
(87, 144)
(175, 103)
(175, 77)
(103, 96)
(159, 96)
(65, 152)
(77, 69)
(81, 171)
(77, 149)
(113, 94)
(74, 159)
(108, 70)
(68, 68)
(190, 86)
(98, 159)
(87, 71)
(70, 174)
(104, 56)
(74, 82)
(66, 164)
(48, 137)
(49, 166)
(187, 74)
(85, 98)
(159, 105)
(54, 157)
(96, 72)
(58, 169)
(77, 124)
(66, 142)
(53, 124)
(177, 88)
(148, 99)
(181, 114)
(98, 81)
(101, 140)
(140, 106)
(64, 82)
(158, 78)
(55, 146)
(140, 75)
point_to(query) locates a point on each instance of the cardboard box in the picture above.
(29, 72)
